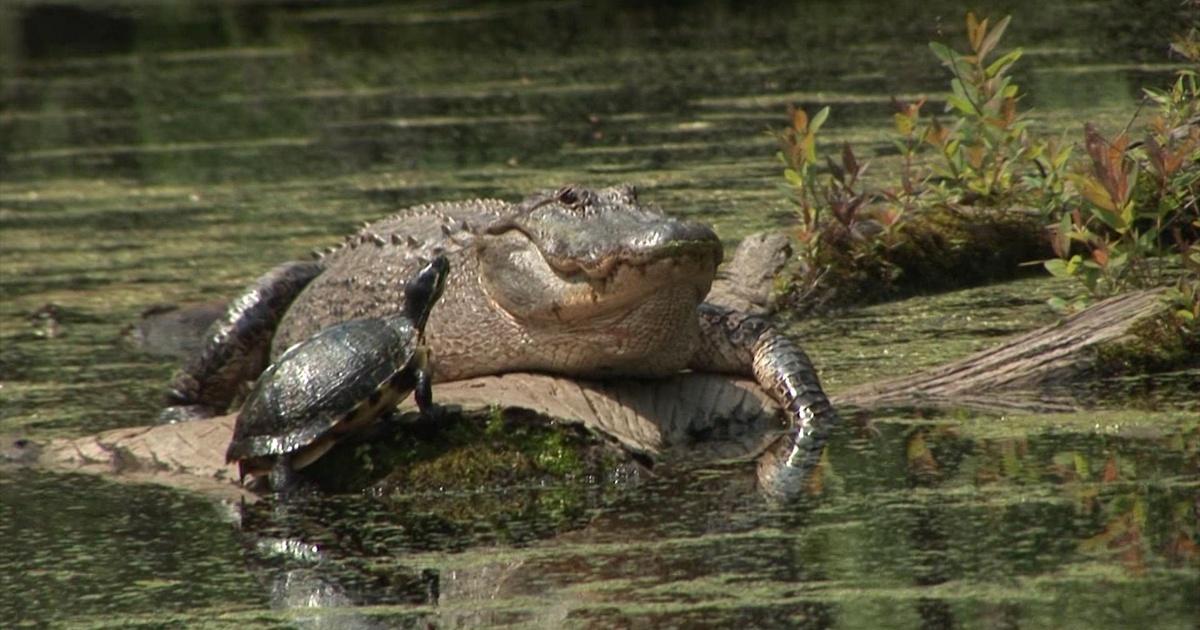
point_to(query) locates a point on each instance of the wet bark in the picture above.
(702, 416)
(1030, 372)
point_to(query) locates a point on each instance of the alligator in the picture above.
(575, 282)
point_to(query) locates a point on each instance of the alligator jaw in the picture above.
(531, 286)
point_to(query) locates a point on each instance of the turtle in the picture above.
(339, 380)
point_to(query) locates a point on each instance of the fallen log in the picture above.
(652, 419)
(1034, 372)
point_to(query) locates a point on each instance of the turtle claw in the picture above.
(285, 483)
(184, 413)
(432, 413)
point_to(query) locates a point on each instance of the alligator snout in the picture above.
(673, 239)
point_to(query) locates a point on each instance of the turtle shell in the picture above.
(327, 385)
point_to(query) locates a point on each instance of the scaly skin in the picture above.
(575, 282)
(749, 345)
(235, 351)
(598, 288)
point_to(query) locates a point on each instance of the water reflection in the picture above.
(928, 522)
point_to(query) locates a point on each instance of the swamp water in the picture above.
(171, 154)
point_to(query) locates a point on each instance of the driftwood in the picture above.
(1024, 373)
(652, 418)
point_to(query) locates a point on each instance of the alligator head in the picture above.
(576, 254)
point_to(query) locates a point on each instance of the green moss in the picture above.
(493, 477)
(1155, 344)
(940, 249)
(464, 453)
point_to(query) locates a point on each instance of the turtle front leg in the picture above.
(237, 345)
(736, 343)
(282, 477)
(423, 390)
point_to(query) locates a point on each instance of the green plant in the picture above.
(904, 200)
(834, 232)
(798, 152)
(982, 150)
(1136, 220)
(1052, 159)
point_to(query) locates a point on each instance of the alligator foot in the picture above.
(735, 342)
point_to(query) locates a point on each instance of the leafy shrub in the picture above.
(984, 147)
(1136, 220)
(1126, 216)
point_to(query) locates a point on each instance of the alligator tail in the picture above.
(237, 344)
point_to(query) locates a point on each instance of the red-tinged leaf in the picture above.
(975, 156)
(975, 30)
(1110, 473)
(1096, 146)
(1100, 255)
(1173, 160)
(848, 162)
(799, 120)
(1159, 125)
(1118, 145)
(937, 134)
(1008, 111)
(1108, 160)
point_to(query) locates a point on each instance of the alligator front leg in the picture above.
(737, 343)
(236, 346)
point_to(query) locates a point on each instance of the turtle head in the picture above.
(423, 291)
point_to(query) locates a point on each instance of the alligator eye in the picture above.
(630, 193)
(567, 196)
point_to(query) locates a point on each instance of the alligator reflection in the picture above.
(926, 523)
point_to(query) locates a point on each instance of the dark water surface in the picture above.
(158, 154)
